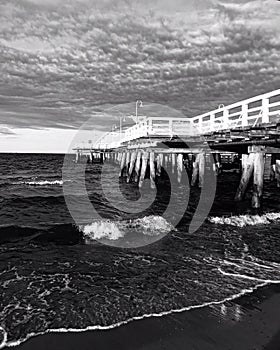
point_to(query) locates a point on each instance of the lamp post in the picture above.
(139, 103)
(122, 119)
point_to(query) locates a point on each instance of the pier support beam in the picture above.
(77, 157)
(127, 161)
(179, 167)
(217, 163)
(143, 168)
(138, 166)
(267, 167)
(277, 172)
(173, 160)
(123, 156)
(152, 170)
(258, 180)
(188, 163)
(252, 164)
(198, 170)
(247, 170)
(131, 165)
(159, 163)
(101, 158)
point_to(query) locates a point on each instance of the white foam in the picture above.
(44, 183)
(115, 325)
(246, 220)
(152, 225)
(102, 229)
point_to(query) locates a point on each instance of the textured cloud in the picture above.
(6, 131)
(64, 61)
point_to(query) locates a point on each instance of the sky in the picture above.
(63, 62)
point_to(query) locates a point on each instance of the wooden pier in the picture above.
(246, 133)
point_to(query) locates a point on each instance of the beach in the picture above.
(251, 322)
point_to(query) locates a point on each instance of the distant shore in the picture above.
(249, 322)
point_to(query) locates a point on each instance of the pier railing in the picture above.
(260, 109)
(112, 139)
(159, 126)
(250, 112)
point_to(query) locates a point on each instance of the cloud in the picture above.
(63, 62)
(6, 131)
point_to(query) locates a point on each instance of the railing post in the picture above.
(200, 126)
(212, 122)
(244, 112)
(150, 126)
(225, 118)
(265, 110)
(170, 127)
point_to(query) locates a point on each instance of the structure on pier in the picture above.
(248, 130)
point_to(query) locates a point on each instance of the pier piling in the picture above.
(258, 179)
(247, 170)
(131, 165)
(179, 167)
(123, 156)
(138, 166)
(159, 164)
(143, 168)
(277, 172)
(152, 170)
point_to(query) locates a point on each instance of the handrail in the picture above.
(238, 114)
(249, 114)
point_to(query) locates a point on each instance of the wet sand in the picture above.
(251, 322)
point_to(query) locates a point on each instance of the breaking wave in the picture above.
(43, 183)
(102, 229)
(152, 225)
(246, 220)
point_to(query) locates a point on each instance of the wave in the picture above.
(42, 183)
(102, 229)
(152, 225)
(246, 220)
(5, 343)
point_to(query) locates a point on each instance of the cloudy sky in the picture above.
(64, 61)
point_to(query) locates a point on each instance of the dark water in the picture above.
(56, 275)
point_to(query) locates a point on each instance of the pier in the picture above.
(245, 133)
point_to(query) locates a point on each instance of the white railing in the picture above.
(256, 110)
(109, 140)
(250, 112)
(157, 126)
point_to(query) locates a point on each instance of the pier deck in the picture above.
(249, 130)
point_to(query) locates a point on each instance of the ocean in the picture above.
(58, 275)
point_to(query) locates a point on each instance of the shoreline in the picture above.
(250, 321)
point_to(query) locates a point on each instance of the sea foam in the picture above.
(246, 220)
(44, 183)
(102, 229)
(152, 225)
